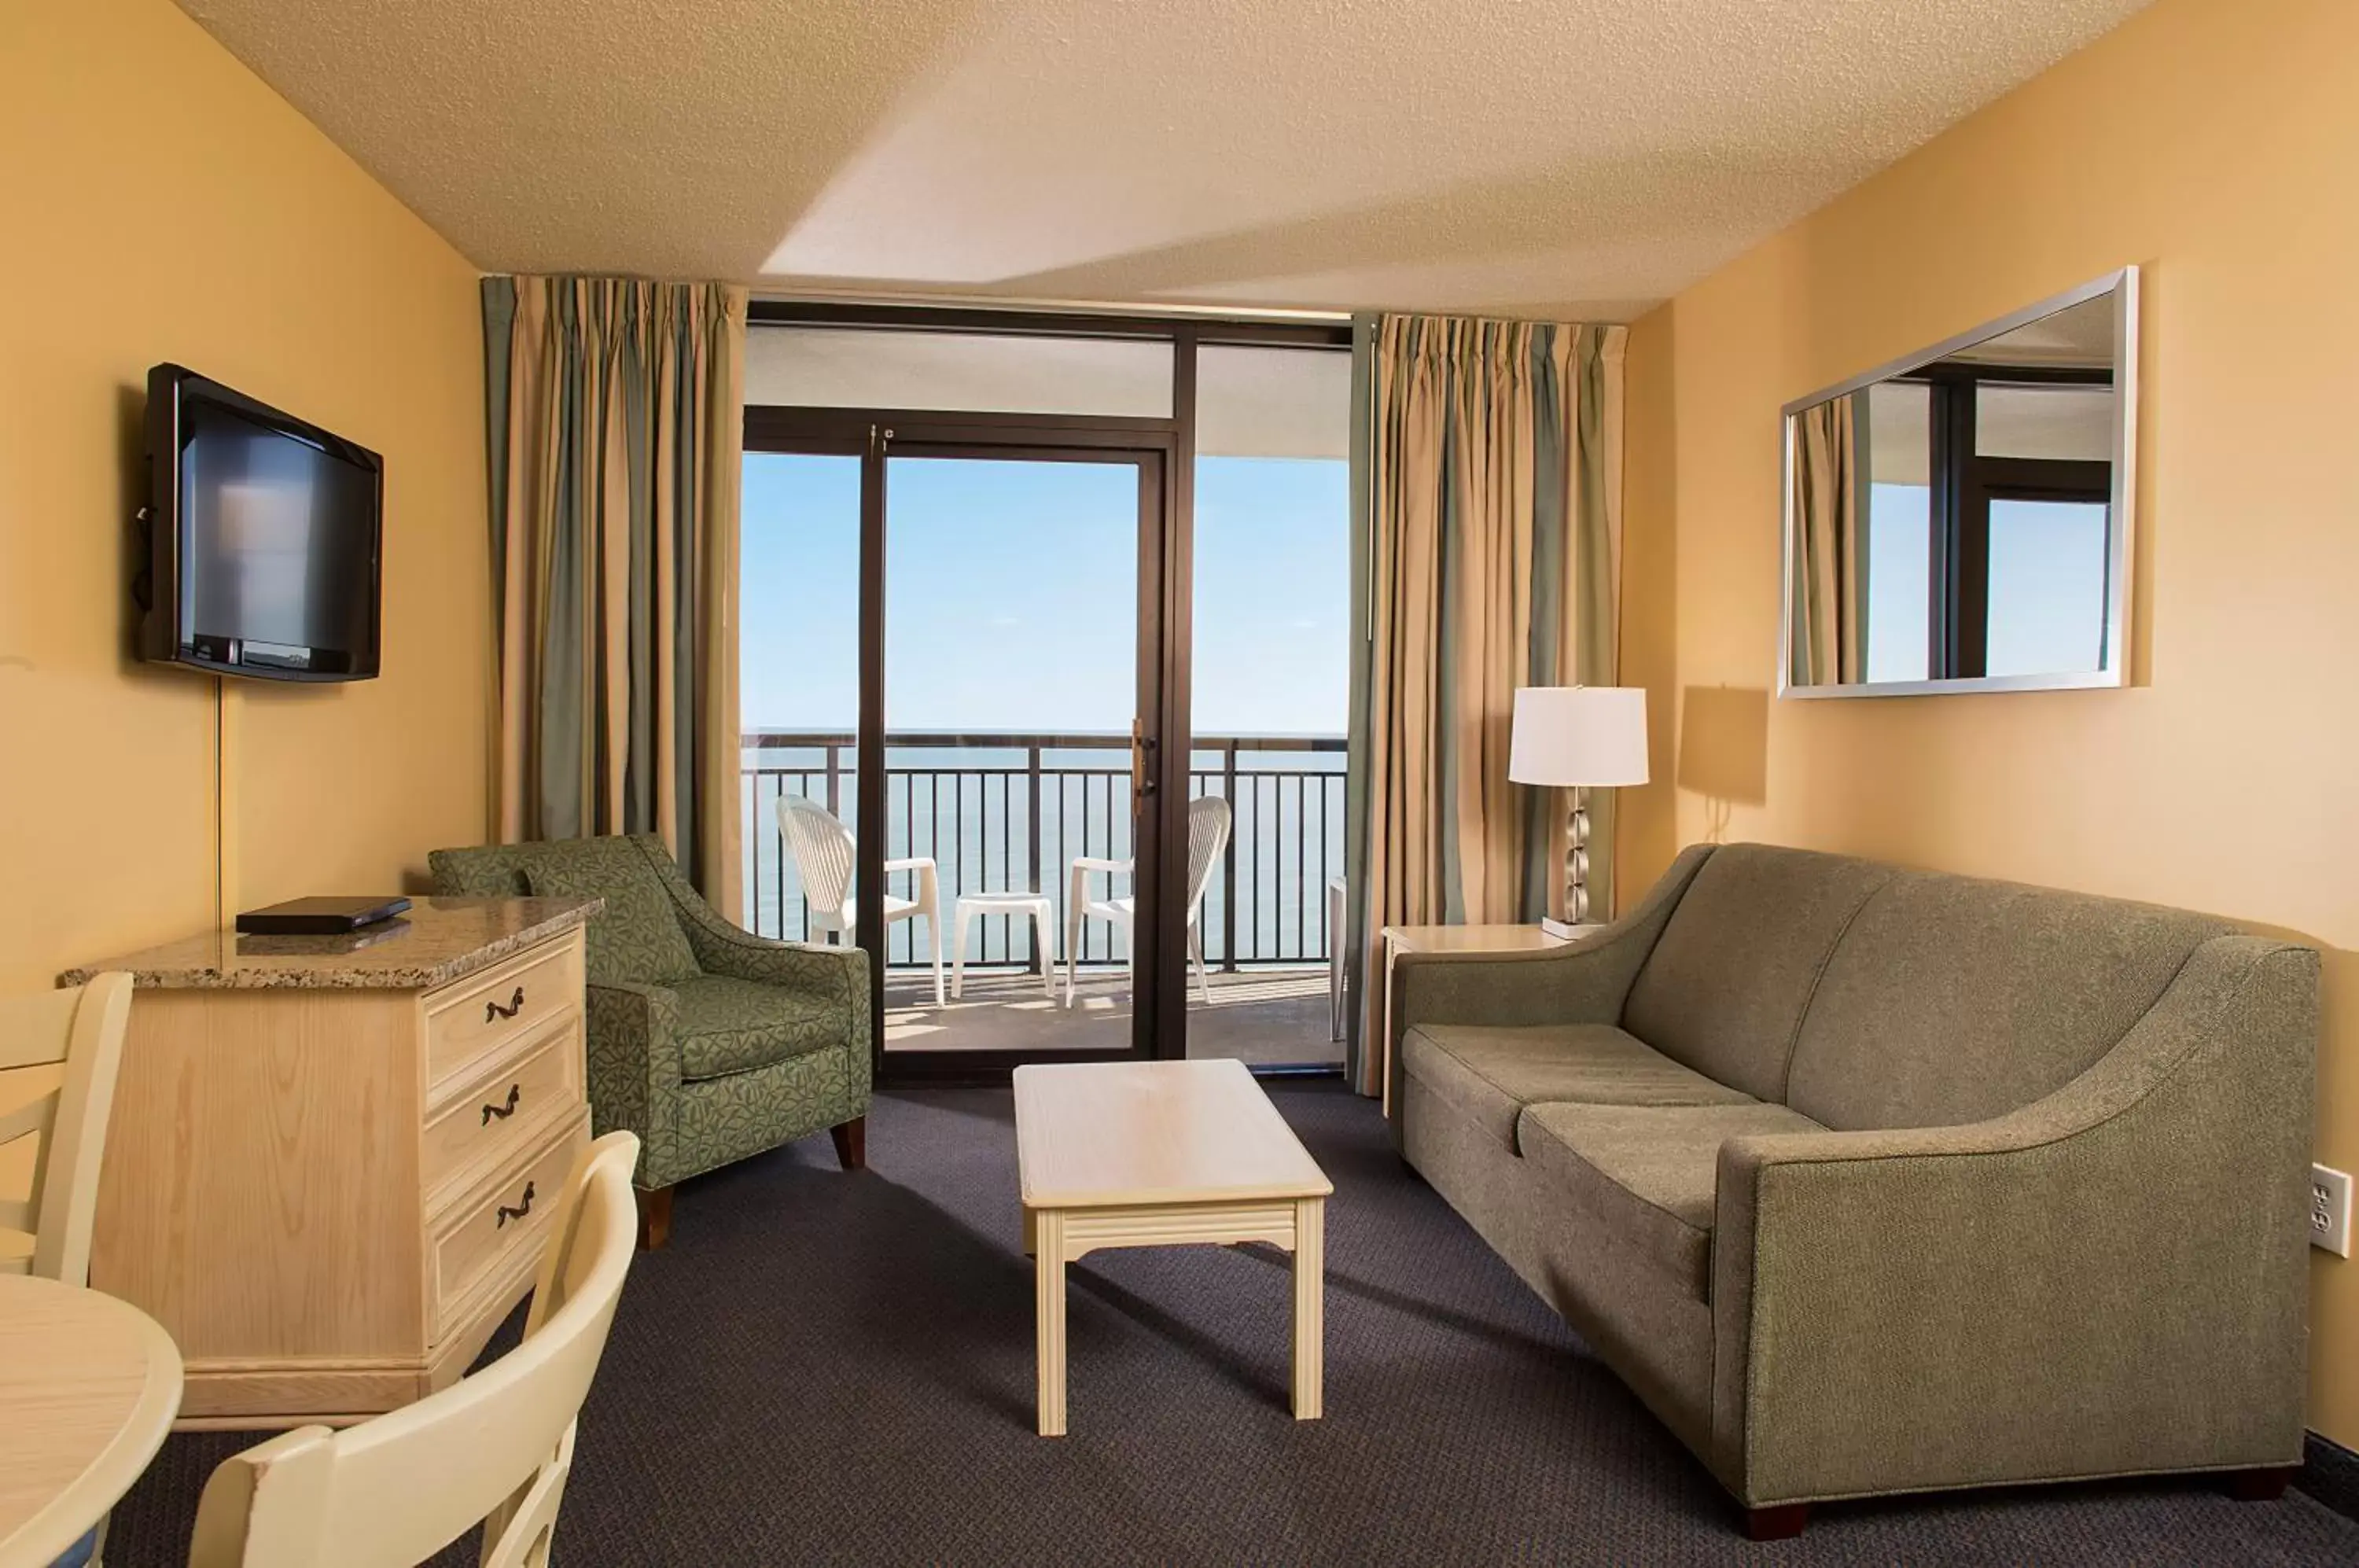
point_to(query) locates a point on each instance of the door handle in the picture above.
(1142, 751)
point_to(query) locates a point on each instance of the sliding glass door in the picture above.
(1019, 721)
(977, 604)
(1271, 666)
(799, 679)
(954, 662)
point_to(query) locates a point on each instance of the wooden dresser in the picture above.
(332, 1159)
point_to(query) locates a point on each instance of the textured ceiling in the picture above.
(1582, 158)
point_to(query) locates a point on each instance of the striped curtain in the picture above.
(1829, 638)
(1487, 485)
(616, 423)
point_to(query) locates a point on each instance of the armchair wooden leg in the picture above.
(2258, 1485)
(1781, 1523)
(851, 1143)
(654, 1217)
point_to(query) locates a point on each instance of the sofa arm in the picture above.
(2111, 1280)
(635, 1071)
(1583, 982)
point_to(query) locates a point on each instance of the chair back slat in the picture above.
(822, 850)
(82, 1028)
(1209, 819)
(33, 1118)
(495, 1447)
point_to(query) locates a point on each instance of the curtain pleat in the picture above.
(1487, 490)
(1830, 643)
(616, 423)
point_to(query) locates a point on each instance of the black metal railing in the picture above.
(1010, 812)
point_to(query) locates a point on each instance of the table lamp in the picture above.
(1578, 738)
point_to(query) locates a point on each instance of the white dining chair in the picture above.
(47, 1232)
(1208, 834)
(82, 1031)
(495, 1446)
(823, 852)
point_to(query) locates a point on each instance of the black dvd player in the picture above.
(320, 916)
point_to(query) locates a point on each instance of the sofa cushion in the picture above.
(1648, 1171)
(1952, 1000)
(637, 939)
(726, 1025)
(1724, 989)
(1490, 1074)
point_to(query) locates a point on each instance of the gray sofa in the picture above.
(1872, 1180)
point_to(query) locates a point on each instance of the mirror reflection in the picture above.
(1954, 520)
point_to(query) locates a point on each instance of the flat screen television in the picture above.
(266, 537)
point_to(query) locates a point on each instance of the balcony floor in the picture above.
(1266, 1017)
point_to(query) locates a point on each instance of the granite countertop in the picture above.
(437, 941)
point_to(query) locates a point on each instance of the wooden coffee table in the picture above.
(1163, 1154)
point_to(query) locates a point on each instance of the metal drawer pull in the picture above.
(505, 1214)
(515, 1092)
(515, 1005)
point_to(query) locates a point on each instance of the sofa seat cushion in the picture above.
(1490, 1074)
(728, 1026)
(1648, 1172)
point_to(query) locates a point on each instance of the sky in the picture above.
(2047, 585)
(1011, 595)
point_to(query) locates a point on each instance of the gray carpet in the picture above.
(838, 1369)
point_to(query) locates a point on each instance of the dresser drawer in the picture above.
(489, 1119)
(468, 1020)
(485, 1235)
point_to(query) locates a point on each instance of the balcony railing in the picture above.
(1011, 811)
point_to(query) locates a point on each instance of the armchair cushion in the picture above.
(734, 1026)
(1648, 1174)
(1490, 1074)
(637, 941)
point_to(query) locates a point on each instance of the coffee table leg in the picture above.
(1309, 1308)
(1049, 1307)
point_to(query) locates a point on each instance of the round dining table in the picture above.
(87, 1389)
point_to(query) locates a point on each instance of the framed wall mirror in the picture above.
(1959, 521)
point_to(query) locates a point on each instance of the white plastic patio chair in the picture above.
(1208, 834)
(822, 849)
(497, 1446)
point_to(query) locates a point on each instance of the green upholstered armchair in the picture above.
(709, 1043)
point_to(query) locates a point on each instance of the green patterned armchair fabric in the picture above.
(709, 1043)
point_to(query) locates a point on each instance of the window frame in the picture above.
(1961, 485)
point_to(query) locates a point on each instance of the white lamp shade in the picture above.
(1590, 735)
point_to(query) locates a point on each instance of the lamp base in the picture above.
(1563, 931)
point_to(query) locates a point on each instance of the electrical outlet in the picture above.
(2330, 1210)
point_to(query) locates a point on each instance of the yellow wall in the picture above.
(159, 203)
(2211, 142)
